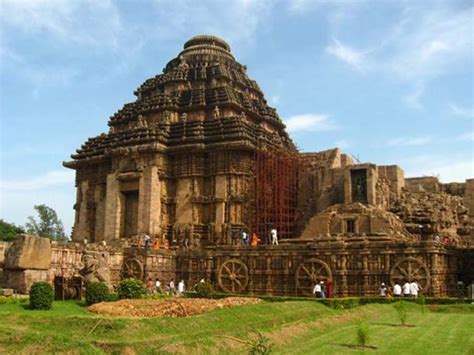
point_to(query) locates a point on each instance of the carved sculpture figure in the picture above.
(96, 268)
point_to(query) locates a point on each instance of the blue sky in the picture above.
(390, 82)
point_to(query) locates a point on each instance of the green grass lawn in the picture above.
(302, 327)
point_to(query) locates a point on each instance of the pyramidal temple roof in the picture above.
(203, 96)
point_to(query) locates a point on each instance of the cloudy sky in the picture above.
(389, 82)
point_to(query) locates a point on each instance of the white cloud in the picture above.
(49, 179)
(347, 54)
(309, 122)
(407, 141)
(233, 20)
(86, 22)
(461, 111)
(467, 137)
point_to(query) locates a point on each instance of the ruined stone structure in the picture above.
(200, 157)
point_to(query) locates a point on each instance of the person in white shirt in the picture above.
(406, 289)
(274, 235)
(318, 291)
(171, 287)
(158, 285)
(414, 288)
(181, 287)
(397, 290)
(383, 290)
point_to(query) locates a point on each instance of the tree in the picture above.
(48, 226)
(8, 231)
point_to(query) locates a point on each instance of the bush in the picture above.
(41, 296)
(204, 290)
(362, 334)
(130, 288)
(402, 313)
(260, 346)
(97, 292)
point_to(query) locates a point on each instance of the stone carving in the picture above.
(96, 267)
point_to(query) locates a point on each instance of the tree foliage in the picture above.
(8, 231)
(48, 224)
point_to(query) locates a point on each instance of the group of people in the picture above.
(254, 240)
(408, 289)
(323, 289)
(171, 289)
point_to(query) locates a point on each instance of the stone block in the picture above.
(28, 252)
(22, 280)
(7, 292)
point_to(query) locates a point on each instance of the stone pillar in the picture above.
(112, 208)
(149, 205)
(220, 198)
(81, 225)
(469, 196)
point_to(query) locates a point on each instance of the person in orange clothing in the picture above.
(156, 245)
(255, 240)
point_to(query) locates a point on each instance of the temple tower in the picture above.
(181, 160)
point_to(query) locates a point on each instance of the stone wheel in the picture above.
(132, 267)
(411, 269)
(308, 273)
(233, 276)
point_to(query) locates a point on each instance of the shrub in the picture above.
(41, 296)
(97, 292)
(204, 290)
(423, 304)
(260, 346)
(402, 313)
(130, 288)
(362, 334)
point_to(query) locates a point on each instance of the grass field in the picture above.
(302, 327)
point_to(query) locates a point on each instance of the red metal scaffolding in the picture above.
(276, 191)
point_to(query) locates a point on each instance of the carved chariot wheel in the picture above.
(411, 269)
(308, 273)
(233, 276)
(132, 267)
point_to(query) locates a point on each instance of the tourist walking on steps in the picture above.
(382, 290)
(397, 290)
(255, 240)
(274, 235)
(406, 289)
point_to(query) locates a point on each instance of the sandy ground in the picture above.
(173, 307)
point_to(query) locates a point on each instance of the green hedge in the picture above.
(97, 292)
(343, 302)
(130, 288)
(41, 296)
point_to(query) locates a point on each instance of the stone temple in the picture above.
(199, 157)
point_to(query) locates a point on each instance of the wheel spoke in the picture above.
(228, 270)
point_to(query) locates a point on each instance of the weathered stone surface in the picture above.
(7, 292)
(28, 252)
(21, 280)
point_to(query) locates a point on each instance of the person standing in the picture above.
(147, 242)
(245, 237)
(181, 287)
(406, 289)
(172, 288)
(329, 288)
(318, 291)
(255, 240)
(383, 290)
(397, 290)
(414, 288)
(274, 235)
(158, 285)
